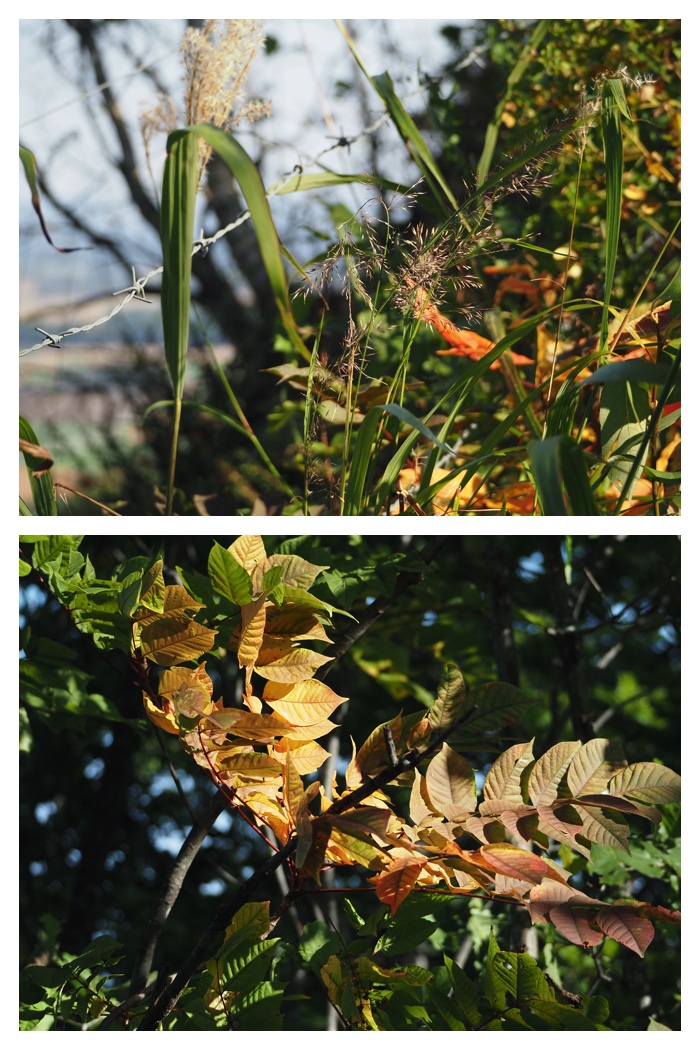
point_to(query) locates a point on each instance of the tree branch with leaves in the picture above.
(406, 822)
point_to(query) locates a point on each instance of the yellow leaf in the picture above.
(303, 704)
(249, 551)
(306, 756)
(292, 786)
(253, 616)
(284, 666)
(173, 640)
(594, 765)
(250, 764)
(450, 783)
(296, 571)
(175, 600)
(648, 782)
(174, 677)
(312, 732)
(503, 780)
(548, 771)
(294, 623)
(163, 720)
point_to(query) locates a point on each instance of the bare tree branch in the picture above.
(162, 908)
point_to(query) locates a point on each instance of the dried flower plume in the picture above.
(217, 60)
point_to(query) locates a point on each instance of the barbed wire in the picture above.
(137, 290)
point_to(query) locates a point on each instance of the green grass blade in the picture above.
(635, 371)
(43, 492)
(407, 129)
(363, 452)
(612, 104)
(413, 140)
(248, 178)
(176, 233)
(653, 423)
(527, 54)
(318, 180)
(460, 390)
(558, 466)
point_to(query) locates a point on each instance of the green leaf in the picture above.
(497, 704)
(624, 413)
(31, 174)
(466, 993)
(414, 922)
(559, 1016)
(494, 987)
(228, 576)
(451, 698)
(317, 943)
(448, 1009)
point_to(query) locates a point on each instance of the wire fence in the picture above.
(137, 289)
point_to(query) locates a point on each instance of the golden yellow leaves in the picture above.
(258, 755)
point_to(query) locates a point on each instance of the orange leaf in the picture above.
(395, 884)
(511, 861)
(627, 926)
(576, 926)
